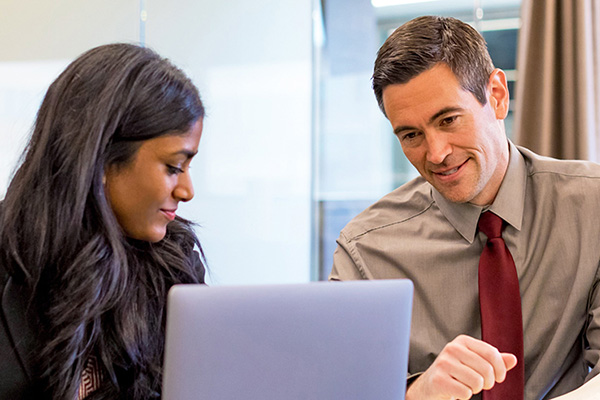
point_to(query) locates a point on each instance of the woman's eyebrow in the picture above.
(187, 153)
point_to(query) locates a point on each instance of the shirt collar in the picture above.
(508, 204)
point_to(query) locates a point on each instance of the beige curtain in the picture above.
(557, 108)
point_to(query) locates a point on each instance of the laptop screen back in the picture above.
(321, 340)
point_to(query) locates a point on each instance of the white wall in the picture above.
(252, 63)
(38, 38)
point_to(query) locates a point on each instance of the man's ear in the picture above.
(498, 95)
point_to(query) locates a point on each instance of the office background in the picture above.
(293, 146)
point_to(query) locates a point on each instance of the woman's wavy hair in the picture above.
(97, 292)
(426, 41)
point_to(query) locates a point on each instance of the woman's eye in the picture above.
(173, 170)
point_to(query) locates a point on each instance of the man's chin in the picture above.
(455, 196)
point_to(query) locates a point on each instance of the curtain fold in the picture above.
(557, 109)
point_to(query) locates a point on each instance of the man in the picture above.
(435, 82)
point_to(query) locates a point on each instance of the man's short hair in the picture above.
(426, 41)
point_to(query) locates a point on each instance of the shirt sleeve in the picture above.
(592, 330)
(344, 267)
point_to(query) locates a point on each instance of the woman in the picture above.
(89, 238)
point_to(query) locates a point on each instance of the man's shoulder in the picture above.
(539, 165)
(399, 206)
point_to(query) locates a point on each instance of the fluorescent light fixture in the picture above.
(388, 3)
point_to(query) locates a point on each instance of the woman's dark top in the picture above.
(19, 336)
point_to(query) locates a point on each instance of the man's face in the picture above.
(456, 144)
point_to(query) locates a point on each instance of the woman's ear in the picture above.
(498, 95)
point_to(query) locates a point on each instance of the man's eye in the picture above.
(410, 135)
(448, 120)
(172, 170)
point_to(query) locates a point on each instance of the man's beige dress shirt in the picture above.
(552, 209)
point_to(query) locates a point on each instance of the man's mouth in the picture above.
(450, 171)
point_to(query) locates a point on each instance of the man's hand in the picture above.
(465, 367)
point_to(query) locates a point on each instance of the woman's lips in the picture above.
(170, 214)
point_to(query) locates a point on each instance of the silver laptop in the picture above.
(313, 341)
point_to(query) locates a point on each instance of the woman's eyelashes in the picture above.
(174, 170)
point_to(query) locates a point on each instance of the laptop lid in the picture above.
(320, 340)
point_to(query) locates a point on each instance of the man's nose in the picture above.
(438, 147)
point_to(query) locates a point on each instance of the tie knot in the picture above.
(491, 225)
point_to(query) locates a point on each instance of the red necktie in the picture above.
(500, 303)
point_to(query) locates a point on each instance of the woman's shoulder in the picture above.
(18, 339)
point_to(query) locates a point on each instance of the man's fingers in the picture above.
(491, 358)
(510, 361)
(476, 372)
(464, 367)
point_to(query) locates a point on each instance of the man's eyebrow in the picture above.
(435, 116)
(442, 112)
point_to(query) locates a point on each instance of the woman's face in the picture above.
(145, 192)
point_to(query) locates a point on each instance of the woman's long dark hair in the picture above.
(98, 293)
